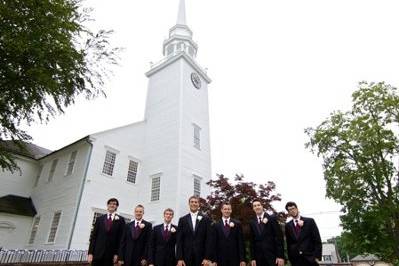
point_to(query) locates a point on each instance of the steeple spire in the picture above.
(181, 16)
(180, 36)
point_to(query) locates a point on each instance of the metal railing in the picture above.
(39, 256)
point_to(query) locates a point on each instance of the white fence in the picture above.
(39, 256)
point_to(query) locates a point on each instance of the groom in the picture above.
(193, 243)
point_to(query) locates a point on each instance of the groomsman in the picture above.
(134, 244)
(229, 243)
(105, 236)
(303, 238)
(266, 244)
(193, 243)
(161, 251)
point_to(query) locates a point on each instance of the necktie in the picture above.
(109, 222)
(260, 224)
(297, 228)
(166, 232)
(136, 231)
(226, 228)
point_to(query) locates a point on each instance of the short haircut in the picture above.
(193, 197)
(256, 200)
(224, 203)
(139, 206)
(290, 204)
(168, 210)
(113, 200)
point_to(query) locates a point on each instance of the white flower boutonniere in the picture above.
(116, 217)
(265, 220)
(199, 218)
(300, 223)
(141, 225)
(231, 224)
(173, 230)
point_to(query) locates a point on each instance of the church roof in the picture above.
(368, 257)
(17, 205)
(24, 148)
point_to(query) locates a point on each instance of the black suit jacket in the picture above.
(267, 243)
(161, 251)
(133, 250)
(194, 244)
(229, 249)
(103, 243)
(307, 244)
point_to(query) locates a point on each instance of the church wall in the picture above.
(14, 230)
(162, 142)
(194, 161)
(127, 143)
(19, 183)
(59, 194)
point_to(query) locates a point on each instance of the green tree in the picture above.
(48, 57)
(360, 152)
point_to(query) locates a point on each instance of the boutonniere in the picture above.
(300, 223)
(199, 217)
(231, 224)
(173, 230)
(141, 225)
(116, 217)
(265, 220)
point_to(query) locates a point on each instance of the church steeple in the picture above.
(180, 36)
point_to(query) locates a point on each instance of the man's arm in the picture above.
(122, 246)
(93, 237)
(316, 240)
(179, 240)
(241, 245)
(151, 247)
(278, 238)
(147, 237)
(209, 240)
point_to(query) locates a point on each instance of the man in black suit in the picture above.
(161, 251)
(303, 238)
(194, 243)
(267, 243)
(229, 241)
(105, 236)
(133, 249)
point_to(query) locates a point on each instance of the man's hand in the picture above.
(253, 262)
(115, 259)
(279, 262)
(151, 265)
(181, 263)
(90, 258)
(243, 263)
(143, 262)
(121, 262)
(205, 262)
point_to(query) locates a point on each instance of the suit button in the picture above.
(300, 252)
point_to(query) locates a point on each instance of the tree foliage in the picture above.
(47, 58)
(360, 151)
(240, 195)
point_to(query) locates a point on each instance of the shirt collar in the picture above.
(139, 221)
(194, 213)
(261, 216)
(225, 219)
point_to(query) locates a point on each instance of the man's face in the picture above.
(226, 210)
(194, 204)
(168, 216)
(293, 211)
(138, 213)
(112, 206)
(257, 207)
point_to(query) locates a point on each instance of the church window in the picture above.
(132, 171)
(109, 163)
(54, 227)
(197, 136)
(197, 185)
(170, 49)
(155, 187)
(191, 51)
(35, 228)
(52, 170)
(71, 163)
(39, 173)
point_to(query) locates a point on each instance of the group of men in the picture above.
(196, 240)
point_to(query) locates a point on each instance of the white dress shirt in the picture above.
(194, 216)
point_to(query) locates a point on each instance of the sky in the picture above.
(277, 67)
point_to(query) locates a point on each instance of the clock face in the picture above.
(195, 79)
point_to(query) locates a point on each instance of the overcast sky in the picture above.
(277, 68)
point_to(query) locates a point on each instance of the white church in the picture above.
(158, 162)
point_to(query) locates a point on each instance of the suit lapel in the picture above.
(190, 223)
